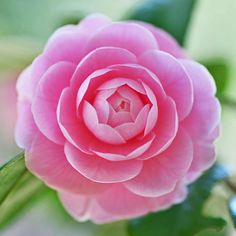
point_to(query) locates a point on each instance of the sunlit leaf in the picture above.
(18, 189)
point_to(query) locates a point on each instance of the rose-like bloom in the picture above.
(116, 119)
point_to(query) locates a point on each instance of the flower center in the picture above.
(119, 103)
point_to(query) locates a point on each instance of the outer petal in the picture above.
(124, 203)
(165, 129)
(47, 160)
(173, 77)
(203, 158)
(165, 41)
(100, 170)
(101, 58)
(124, 35)
(118, 203)
(205, 114)
(68, 43)
(23, 85)
(161, 173)
(46, 99)
(25, 125)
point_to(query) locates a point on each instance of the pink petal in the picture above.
(141, 74)
(165, 129)
(203, 159)
(165, 41)
(25, 125)
(103, 132)
(78, 206)
(99, 209)
(83, 208)
(161, 173)
(173, 77)
(94, 22)
(124, 203)
(47, 160)
(68, 43)
(124, 35)
(100, 58)
(101, 104)
(134, 148)
(153, 113)
(130, 130)
(118, 118)
(202, 80)
(23, 85)
(72, 128)
(100, 170)
(118, 82)
(206, 109)
(46, 99)
(136, 103)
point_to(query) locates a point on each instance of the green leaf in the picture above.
(185, 219)
(170, 15)
(18, 189)
(232, 209)
(220, 71)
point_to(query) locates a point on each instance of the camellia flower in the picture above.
(116, 119)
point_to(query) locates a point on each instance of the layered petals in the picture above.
(44, 154)
(100, 170)
(161, 173)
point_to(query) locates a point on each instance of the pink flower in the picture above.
(116, 119)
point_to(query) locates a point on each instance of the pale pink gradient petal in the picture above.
(99, 210)
(23, 85)
(165, 129)
(202, 80)
(141, 74)
(100, 170)
(133, 149)
(177, 196)
(124, 35)
(161, 173)
(130, 130)
(136, 103)
(73, 128)
(173, 77)
(118, 82)
(153, 113)
(94, 22)
(100, 58)
(124, 203)
(68, 43)
(38, 67)
(45, 100)
(103, 132)
(118, 118)
(25, 126)
(101, 104)
(206, 111)
(82, 208)
(47, 160)
(78, 206)
(165, 41)
(203, 159)
(91, 83)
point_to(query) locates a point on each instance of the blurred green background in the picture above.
(25, 25)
